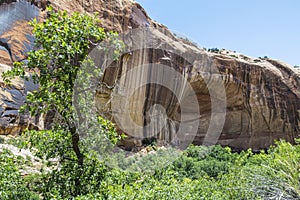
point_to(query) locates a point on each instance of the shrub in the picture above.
(12, 185)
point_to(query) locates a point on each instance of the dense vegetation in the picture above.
(199, 173)
(71, 171)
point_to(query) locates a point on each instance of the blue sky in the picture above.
(255, 28)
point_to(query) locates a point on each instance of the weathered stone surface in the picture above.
(15, 33)
(11, 98)
(263, 95)
(262, 102)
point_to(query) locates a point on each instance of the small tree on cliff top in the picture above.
(63, 43)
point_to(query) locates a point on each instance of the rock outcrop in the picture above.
(11, 98)
(262, 95)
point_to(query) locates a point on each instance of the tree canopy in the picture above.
(62, 43)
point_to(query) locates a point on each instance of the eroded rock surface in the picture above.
(263, 95)
(11, 98)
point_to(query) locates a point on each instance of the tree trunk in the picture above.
(79, 155)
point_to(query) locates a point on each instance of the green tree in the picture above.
(63, 42)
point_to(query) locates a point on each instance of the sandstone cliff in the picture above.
(262, 95)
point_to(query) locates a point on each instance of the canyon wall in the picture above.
(262, 95)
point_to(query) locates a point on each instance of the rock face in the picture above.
(15, 41)
(15, 34)
(262, 95)
(11, 98)
(262, 102)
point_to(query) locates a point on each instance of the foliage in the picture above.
(110, 130)
(278, 173)
(12, 186)
(62, 46)
(199, 173)
(214, 50)
(2, 140)
(45, 144)
(63, 41)
(204, 161)
(264, 58)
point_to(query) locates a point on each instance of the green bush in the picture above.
(198, 161)
(199, 173)
(12, 185)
